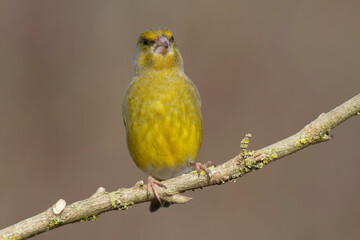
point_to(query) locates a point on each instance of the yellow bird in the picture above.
(161, 110)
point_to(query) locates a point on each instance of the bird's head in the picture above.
(156, 49)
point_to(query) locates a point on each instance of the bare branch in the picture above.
(247, 161)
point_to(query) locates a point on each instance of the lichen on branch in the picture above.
(247, 161)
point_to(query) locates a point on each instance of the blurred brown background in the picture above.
(264, 67)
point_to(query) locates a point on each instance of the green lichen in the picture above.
(93, 217)
(268, 157)
(77, 206)
(203, 173)
(358, 112)
(273, 154)
(325, 136)
(247, 170)
(244, 145)
(249, 162)
(237, 175)
(116, 201)
(259, 165)
(13, 237)
(125, 206)
(246, 154)
(303, 141)
(56, 221)
(115, 198)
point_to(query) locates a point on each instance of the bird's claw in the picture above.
(200, 166)
(151, 185)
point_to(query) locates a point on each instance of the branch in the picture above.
(247, 161)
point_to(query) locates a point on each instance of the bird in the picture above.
(162, 112)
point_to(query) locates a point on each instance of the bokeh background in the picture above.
(262, 67)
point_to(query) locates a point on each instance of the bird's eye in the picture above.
(172, 38)
(145, 41)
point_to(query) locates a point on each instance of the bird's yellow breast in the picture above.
(163, 122)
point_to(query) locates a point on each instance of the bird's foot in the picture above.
(200, 166)
(151, 185)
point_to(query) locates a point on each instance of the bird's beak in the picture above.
(162, 45)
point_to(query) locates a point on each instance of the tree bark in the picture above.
(247, 161)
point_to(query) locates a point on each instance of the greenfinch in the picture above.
(161, 111)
